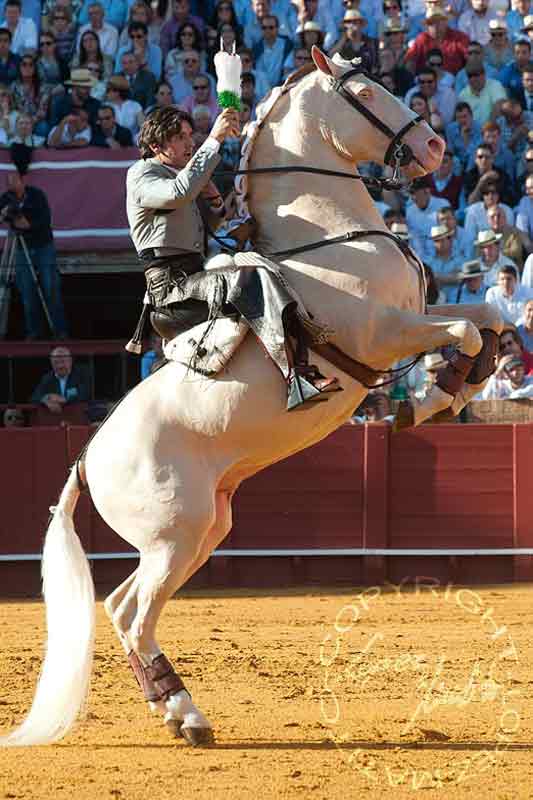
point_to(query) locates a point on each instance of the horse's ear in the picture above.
(322, 62)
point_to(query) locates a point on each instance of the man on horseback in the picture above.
(169, 195)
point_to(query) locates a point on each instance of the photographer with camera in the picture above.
(25, 209)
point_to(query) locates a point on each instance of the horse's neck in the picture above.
(299, 208)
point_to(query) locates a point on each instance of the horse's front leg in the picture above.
(490, 324)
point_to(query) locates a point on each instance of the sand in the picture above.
(312, 693)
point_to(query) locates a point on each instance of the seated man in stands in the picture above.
(508, 295)
(72, 131)
(509, 382)
(108, 132)
(64, 384)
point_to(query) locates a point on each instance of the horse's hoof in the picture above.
(174, 727)
(198, 737)
(405, 416)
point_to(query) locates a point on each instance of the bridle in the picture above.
(398, 153)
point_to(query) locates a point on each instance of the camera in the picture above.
(9, 212)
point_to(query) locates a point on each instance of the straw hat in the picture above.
(435, 12)
(311, 25)
(439, 232)
(393, 25)
(497, 24)
(487, 237)
(400, 230)
(81, 77)
(353, 15)
(472, 269)
(434, 361)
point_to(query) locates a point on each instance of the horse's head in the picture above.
(386, 130)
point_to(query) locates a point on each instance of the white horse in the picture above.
(163, 468)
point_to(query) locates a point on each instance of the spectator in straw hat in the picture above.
(321, 13)
(444, 264)
(452, 43)
(499, 49)
(353, 43)
(508, 295)
(309, 34)
(492, 259)
(81, 82)
(128, 113)
(400, 230)
(471, 288)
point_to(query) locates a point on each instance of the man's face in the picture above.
(443, 245)
(484, 159)
(138, 38)
(474, 284)
(489, 253)
(437, 28)
(446, 165)
(4, 45)
(421, 197)
(527, 80)
(181, 8)
(522, 6)
(24, 125)
(179, 148)
(61, 362)
(477, 81)
(248, 91)
(529, 187)
(491, 197)
(508, 345)
(464, 119)
(506, 283)
(516, 374)
(81, 120)
(480, 6)
(496, 219)
(528, 315)
(492, 138)
(447, 218)
(106, 120)
(529, 160)
(191, 63)
(15, 183)
(12, 16)
(261, 8)
(269, 29)
(201, 89)
(427, 83)
(96, 16)
(81, 93)
(129, 64)
(301, 57)
(522, 53)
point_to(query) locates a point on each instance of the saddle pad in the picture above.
(220, 343)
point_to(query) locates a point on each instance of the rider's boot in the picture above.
(305, 384)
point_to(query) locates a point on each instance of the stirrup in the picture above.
(301, 392)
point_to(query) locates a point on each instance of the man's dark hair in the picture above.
(428, 71)
(16, 3)
(462, 106)
(445, 210)
(528, 67)
(507, 269)
(106, 107)
(137, 26)
(159, 126)
(6, 32)
(249, 77)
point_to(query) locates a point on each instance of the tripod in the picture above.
(8, 262)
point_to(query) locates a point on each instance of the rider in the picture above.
(169, 193)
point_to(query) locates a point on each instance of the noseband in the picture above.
(398, 153)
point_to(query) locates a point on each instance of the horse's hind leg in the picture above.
(124, 598)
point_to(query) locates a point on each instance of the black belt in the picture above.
(188, 262)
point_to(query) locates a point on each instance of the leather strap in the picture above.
(365, 375)
(451, 379)
(147, 686)
(485, 363)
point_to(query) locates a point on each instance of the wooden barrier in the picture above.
(437, 488)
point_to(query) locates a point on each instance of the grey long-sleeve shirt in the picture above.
(161, 202)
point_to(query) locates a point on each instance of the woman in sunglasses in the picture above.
(188, 37)
(30, 96)
(51, 68)
(91, 52)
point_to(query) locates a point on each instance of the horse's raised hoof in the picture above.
(198, 737)
(405, 416)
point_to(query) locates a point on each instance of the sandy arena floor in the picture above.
(412, 691)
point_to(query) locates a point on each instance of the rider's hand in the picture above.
(226, 124)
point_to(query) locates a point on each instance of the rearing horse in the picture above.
(163, 469)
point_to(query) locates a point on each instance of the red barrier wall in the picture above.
(455, 486)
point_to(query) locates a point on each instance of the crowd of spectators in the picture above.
(75, 73)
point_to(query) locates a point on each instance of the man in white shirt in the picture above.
(483, 95)
(508, 295)
(107, 34)
(23, 30)
(514, 385)
(73, 130)
(421, 214)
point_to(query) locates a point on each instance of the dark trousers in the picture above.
(45, 265)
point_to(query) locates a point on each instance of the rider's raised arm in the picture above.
(155, 186)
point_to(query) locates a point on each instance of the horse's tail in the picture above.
(68, 588)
